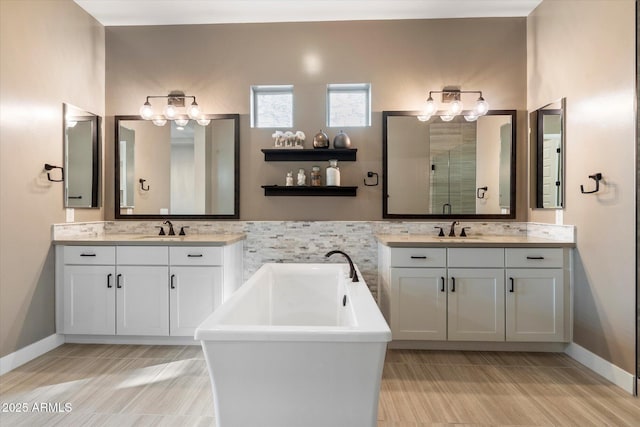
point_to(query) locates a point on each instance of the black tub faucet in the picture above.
(172, 232)
(452, 231)
(352, 269)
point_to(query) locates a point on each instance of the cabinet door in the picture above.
(142, 306)
(418, 303)
(535, 304)
(89, 299)
(476, 304)
(195, 293)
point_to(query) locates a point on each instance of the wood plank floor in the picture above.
(117, 385)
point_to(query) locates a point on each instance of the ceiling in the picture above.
(172, 12)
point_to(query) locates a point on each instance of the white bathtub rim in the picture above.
(370, 324)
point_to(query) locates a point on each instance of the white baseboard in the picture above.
(604, 368)
(553, 347)
(125, 339)
(26, 354)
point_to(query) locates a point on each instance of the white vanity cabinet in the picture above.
(142, 290)
(195, 287)
(88, 291)
(476, 294)
(418, 294)
(536, 295)
(142, 298)
(479, 294)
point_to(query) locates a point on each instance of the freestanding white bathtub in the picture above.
(284, 351)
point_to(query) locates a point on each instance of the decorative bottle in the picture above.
(316, 181)
(302, 178)
(289, 180)
(333, 174)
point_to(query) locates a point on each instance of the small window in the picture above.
(272, 106)
(349, 105)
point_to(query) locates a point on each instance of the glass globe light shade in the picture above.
(424, 117)
(159, 121)
(170, 111)
(194, 111)
(447, 117)
(203, 122)
(482, 107)
(430, 107)
(471, 117)
(455, 107)
(146, 111)
(182, 122)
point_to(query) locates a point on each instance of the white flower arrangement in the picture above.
(288, 139)
(278, 139)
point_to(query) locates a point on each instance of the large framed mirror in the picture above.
(457, 169)
(177, 171)
(81, 140)
(547, 130)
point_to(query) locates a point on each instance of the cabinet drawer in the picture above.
(535, 257)
(418, 257)
(194, 255)
(143, 255)
(90, 255)
(476, 257)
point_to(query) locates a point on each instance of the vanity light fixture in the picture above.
(455, 107)
(172, 111)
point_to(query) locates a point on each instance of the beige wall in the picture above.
(50, 52)
(401, 59)
(585, 51)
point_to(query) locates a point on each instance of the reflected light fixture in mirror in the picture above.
(454, 98)
(172, 111)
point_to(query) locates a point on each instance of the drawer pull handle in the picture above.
(535, 257)
(442, 287)
(418, 257)
(87, 254)
(109, 276)
(512, 284)
(195, 255)
(173, 285)
(118, 284)
(453, 284)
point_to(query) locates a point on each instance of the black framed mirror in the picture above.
(548, 136)
(81, 140)
(177, 170)
(456, 169)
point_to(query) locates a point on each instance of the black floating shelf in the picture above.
(297, 154)
(281, 190)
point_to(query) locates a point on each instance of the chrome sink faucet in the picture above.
(452, 231)
(352, 269)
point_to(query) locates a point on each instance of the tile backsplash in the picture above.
(308, 241)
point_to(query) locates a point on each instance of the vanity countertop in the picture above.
(147, 240)
(424, 241)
